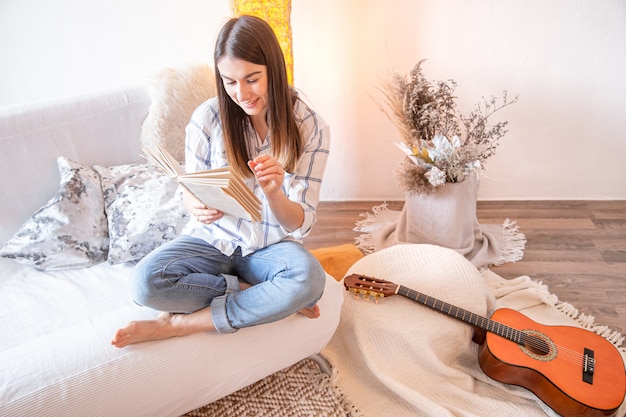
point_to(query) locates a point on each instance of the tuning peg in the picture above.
(366, 294)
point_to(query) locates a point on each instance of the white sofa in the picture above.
(61, 305)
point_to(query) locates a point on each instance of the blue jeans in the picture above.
(188, 274)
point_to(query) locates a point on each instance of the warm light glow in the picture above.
(278, 14)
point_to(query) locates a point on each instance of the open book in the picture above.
(220, 188)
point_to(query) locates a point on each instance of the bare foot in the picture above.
(166, 325)
(145, 330)
(310, 312)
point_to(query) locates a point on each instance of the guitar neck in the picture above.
(468, 317)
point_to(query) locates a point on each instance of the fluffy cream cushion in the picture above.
(175, 93)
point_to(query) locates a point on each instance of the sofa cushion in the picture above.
(142, 208)
(70, 231)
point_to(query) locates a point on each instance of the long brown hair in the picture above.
(251, 39)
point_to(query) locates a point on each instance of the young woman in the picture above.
(225, 273)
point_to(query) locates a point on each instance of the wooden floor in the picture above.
(576, 248)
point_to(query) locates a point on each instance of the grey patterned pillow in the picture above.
(143, 210)
(70, 231)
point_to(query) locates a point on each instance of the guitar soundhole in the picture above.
(538, 346)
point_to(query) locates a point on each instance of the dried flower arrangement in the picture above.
(442, 146)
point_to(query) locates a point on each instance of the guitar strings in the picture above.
(530, 340)
(539, 343)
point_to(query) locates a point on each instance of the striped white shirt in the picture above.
(204, 149)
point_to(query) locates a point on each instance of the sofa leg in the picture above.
(322, 363)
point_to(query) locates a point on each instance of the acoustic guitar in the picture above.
(574, 371)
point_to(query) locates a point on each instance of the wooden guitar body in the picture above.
(556, 376)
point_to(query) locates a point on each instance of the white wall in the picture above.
(565, 58)
(52, 48)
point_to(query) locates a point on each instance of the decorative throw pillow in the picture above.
(70, 231)
(142, 208)
(175, 93)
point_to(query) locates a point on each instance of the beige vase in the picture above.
(446, 217)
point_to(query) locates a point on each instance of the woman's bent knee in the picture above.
(316, 281)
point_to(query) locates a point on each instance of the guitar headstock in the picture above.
(361, 285)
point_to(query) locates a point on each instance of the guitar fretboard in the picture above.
(458, 313)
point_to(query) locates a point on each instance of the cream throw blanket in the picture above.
(446, 217)
(399, 358)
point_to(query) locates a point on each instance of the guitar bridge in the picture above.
(589, 364)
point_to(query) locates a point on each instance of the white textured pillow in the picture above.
(70, 231)
(400, 356)
(142, 208)
(175, 93)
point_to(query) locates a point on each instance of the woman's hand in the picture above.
(268, 172)
(204, 214)
(270, 175)
(199, 210)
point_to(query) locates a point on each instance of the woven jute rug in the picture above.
(300, 390)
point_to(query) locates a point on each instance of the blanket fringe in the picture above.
(513, 244)
(365, 241)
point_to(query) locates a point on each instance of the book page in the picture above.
(215, 197)
(164, 160)
(219, 188)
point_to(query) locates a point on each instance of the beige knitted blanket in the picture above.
(446, 217)
(402, 359)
